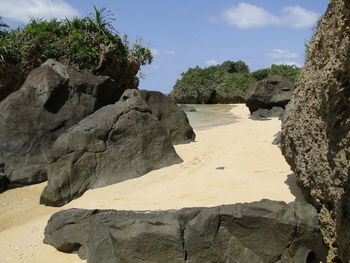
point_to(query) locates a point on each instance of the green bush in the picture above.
(228, 78)
(290, 72)
(77, 40)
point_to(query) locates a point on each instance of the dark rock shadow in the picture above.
(277, 139)
(320, 250)
(294, 188)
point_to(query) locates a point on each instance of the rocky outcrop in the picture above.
(272, 92)
(53, 98)
(316, 128)
(116, 143)
(259, 232)
(122, 70)
(173, 119)
(263, 114)
(207, 97)
(187, 108)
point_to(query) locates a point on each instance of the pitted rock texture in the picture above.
(52, 99)
(259, 232)
(316, 128)
(173, 119)
(114, 144)
(272, 92)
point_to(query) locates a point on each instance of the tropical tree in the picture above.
(103, 19)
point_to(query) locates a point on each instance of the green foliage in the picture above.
(290, 72)
(77, 40)
(233, 67)
(227, 78)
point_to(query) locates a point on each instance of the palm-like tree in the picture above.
(103, 19)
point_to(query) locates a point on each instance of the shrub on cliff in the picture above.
(77, 41)
(225, 83)
(290, 72)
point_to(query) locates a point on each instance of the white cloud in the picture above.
(248, 16)
(169, 52)
(245, 16)
(23, 10)
(211, 62)
(298, 17)
(281, 53)
(157, 52)
(289, 63)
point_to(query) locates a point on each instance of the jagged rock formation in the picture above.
(116, 143)
(53, 98)
(272, 92)
(316, 128)
(259, 232)
(173, 119)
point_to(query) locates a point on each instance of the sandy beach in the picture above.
(250, 168)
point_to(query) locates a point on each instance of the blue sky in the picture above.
(187, 33)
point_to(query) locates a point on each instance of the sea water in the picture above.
(209, 115)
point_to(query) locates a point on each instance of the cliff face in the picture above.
(316, 128)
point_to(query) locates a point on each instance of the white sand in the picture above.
(254, 169)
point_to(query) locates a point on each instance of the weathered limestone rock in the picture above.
(259, 232)
(53, 98)
(316, 128)
(275, 91)
(114, 144)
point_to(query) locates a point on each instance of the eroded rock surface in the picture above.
(173, 119)
(52, 99)
(316, 128)
(272, 92)
(114, 144)
(259, 232)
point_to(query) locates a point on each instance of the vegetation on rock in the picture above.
(225, 83)
(290, 72)
(78, 42)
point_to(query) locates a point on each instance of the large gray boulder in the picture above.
(316, 128)
(53, 98)
(173, 119)
(275, 91)
(114, 144)
(259, 232)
